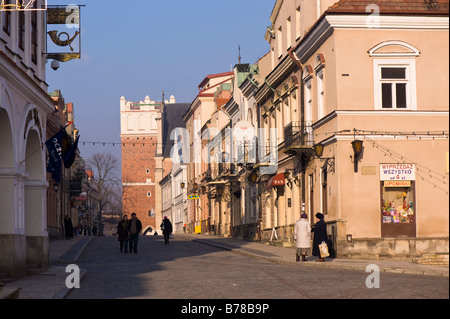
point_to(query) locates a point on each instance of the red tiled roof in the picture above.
(213, 76)
(404, 7)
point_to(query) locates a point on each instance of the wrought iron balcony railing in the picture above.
(298, 134)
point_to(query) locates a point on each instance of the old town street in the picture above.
(186, 269)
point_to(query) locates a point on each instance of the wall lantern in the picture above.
(318, 149)
(195, 186)
(253, 177)
(329, 161)
(183, 185)
(56, 187)
(357, 146)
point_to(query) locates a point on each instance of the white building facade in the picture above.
(24, 106)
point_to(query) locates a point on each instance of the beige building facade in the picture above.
(378, 79)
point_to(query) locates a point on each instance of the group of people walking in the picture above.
(302, 237)
(128, 232)
(128, 235)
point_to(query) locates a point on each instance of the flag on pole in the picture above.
(54, 147)
(56, 153)
(69, 156)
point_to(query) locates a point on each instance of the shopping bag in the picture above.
(171, 236)
(323, 247)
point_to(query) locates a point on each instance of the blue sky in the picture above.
(136, 48)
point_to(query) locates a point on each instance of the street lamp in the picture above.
(357, 146)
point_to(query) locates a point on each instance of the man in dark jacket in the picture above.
(166, 227)
(320, 235)
(134, 227)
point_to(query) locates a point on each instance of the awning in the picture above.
(277, 180)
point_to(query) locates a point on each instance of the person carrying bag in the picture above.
(320, 241)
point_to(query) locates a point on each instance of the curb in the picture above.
(324, 265)
(77, 255)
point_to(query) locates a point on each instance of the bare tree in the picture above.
(105, 180)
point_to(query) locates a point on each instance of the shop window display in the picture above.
(398, 205)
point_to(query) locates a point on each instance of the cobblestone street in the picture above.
(189, 270)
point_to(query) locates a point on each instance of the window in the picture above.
(6, 17)
(34, 36)
(297, 23)
(308, 102)
(21, 30)
(395, 87)
(280, 42)
(320, 95)
(288, 32)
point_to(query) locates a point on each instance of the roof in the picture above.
(173, 118)
(409, 7)
(212, 76)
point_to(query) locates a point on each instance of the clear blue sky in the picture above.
(136, 48)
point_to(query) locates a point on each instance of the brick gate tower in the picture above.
(141, 148)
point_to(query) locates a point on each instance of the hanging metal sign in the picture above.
(63, 33)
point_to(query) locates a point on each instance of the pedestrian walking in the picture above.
(166, 227)
(68, 227)
(134, 227)
(302, 237)
(320, 235)
(123, 234)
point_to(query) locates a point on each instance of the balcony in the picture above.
(246, 153)
(299, 139)
(207, 175)
(297, 134)
(227, 169)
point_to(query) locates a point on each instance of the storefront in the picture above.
(398, 200)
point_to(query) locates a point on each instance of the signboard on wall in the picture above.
(397, 172)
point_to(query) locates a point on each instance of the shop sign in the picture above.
(398, 172)
(193, 197)
(397, 184)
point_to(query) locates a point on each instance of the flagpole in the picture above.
(42, 145)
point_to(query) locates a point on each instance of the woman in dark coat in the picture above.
(123, 234)
(68, 227)
(320, 235)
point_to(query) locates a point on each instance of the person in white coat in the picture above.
(302, 237)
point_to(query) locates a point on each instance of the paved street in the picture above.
(191, 270)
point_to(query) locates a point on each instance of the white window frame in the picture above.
(280, 42)
(411, 86)
(308, 101)
(320, 95)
